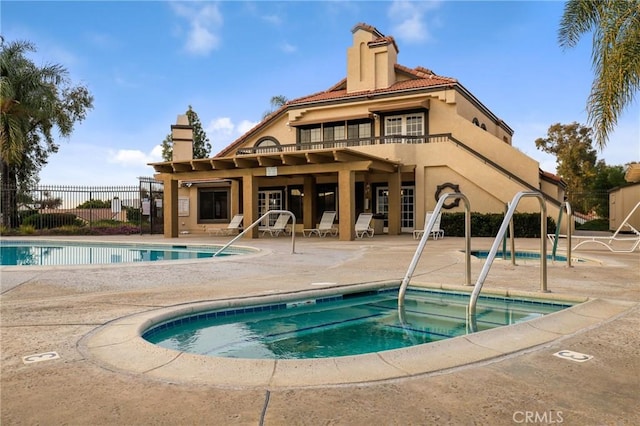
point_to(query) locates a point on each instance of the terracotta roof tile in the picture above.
(421, 78)
(366, 27)
(384, 41)
(552, 177)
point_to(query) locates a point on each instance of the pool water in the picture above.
(520, 255)
(76, 253)
(341, 325)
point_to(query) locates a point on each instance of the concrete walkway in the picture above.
(519, 381)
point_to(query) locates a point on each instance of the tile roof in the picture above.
(366, 27)
(552, 177)
(418, 78)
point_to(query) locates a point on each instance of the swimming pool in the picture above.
(340, 325)
(56, 253)
(521, 255)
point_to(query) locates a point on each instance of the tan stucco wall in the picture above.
(621, 202)
(368, 67)
(436, 163)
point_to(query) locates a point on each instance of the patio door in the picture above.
(269, 200)
(407, 201)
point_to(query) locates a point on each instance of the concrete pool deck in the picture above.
(502, 376)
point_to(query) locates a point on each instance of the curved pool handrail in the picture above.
(425, 237)
(257, 222)
(494, 249)
(564, 206)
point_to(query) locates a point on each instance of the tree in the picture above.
(94, 204)
(615, 25)
(34, 101)
(575, 159)
(201, 144)
(606, 178)
(277, 102)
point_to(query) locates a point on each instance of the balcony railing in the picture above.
(345, 143)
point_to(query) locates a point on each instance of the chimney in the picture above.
(182, 136)
(370, 60)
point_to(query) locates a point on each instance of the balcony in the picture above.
(345, 143)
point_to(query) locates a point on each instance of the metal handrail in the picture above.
(494, 249)
(425, 236)
(564, 206)
(257, 222)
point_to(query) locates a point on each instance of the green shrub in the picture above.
(525, 225)
(27, 229)
(133, 214)
(52, 220)
(594, 225)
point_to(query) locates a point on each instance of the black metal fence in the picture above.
(54, 206)
(589, 205)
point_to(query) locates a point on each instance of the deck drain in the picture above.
(45, 356)
(573, 356)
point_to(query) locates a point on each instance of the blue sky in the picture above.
(145, 62)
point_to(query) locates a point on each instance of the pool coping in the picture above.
(114, 345)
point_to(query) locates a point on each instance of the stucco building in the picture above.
(386, 139)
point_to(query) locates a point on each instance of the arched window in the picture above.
(483, 127)
(475, 121)
(268, 144)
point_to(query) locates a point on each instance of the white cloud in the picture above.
(245, 126)
(156, 153)
(221, 125)
(205, 21)
(409, 21)
(222, 131)
(272, 19)
(134, 157)
(288, 48)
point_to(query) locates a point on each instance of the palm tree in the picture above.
(33, 102)
(615, 53)
(276, 102)
(27, 95)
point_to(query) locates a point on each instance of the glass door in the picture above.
(407, 201)
(407, 211)
(269, 200)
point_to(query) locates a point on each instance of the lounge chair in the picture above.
(233, 227)
(632, 242)
(436, 231)
(279, 227)
(324, 227)
(363, 225)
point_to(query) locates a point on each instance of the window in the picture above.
(295, 202)
(213, 205)
(336, 131)
(326, 198)
(268, 144)
(405, 125)
(475, 121)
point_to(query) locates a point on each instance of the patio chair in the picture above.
(614, 242)
(324, 227)
(436, 232)
(233, 227)
(363, 225)
(279, 227)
